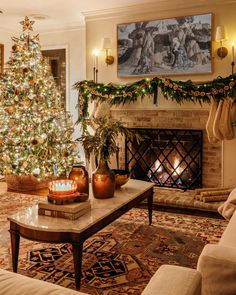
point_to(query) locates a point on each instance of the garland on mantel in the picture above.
(178, 91)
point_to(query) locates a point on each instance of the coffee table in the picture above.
(30, 225)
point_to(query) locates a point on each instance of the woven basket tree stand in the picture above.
(24, 183)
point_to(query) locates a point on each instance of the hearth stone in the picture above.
(179, 199)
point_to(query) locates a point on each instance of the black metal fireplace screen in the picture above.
(168, 157)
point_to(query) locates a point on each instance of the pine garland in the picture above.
(179, 91)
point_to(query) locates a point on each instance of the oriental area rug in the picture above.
(121, 258)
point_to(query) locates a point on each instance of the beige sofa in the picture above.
(215, 274)
(16, 284)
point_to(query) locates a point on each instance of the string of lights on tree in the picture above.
(175, 90)
(35, 131)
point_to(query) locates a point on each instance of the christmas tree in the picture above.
(35, 131)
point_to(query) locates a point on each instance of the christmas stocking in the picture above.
(233, 113)
(216, 130)
(210, 121)
(225, 123)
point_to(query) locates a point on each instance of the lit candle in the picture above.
(96, 64)
(95, 57)
(233, 52)
(94, 60)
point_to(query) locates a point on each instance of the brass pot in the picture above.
(80, 175)
(121, 177)
(103, 181)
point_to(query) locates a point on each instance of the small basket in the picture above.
(25, 182)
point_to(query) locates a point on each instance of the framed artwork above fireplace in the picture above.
(178, 46)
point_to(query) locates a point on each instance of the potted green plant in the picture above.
(103, 144)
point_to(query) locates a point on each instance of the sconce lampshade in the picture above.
(106, 43)
(220, 34)
(220, 37)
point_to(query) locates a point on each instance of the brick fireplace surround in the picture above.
(177, 119)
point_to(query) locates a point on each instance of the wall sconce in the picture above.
(220, 37)
(106, 45)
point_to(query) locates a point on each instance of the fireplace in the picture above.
(167, 157)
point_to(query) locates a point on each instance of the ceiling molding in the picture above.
(151, 7)
(59, 29)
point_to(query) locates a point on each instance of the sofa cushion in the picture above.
(12, 283)
(217, 265)
(229, 207)
(228, 237)
(174, 280)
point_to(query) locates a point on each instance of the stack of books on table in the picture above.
(69, 211)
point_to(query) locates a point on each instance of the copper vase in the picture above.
(103, 181)
(80, 175)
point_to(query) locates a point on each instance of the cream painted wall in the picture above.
(223, 14)
(5, 39)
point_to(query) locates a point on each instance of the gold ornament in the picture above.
(25, 164)
(41, 140)
(65, 153)
(14, 47)
(14, 129)
(27, 102)
(26, 70)
(10, 109)
(17, 90)
(34, 141)
(31, 82)
(27, 24)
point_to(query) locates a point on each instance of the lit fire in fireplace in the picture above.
(161, 173)
(177, 169)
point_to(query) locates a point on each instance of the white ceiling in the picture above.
(62, 14)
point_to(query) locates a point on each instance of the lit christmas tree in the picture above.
(35, 131)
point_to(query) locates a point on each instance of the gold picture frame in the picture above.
(1, 58)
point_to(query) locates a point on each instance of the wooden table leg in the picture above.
(15, 243)
(77, 256)
(150, 203)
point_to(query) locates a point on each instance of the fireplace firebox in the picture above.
(167, 157)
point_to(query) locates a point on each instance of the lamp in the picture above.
(106, 45)
(220, 37)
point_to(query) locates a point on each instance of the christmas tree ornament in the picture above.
(10, 109)
(27, 24)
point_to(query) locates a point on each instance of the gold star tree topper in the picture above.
(27, 24)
